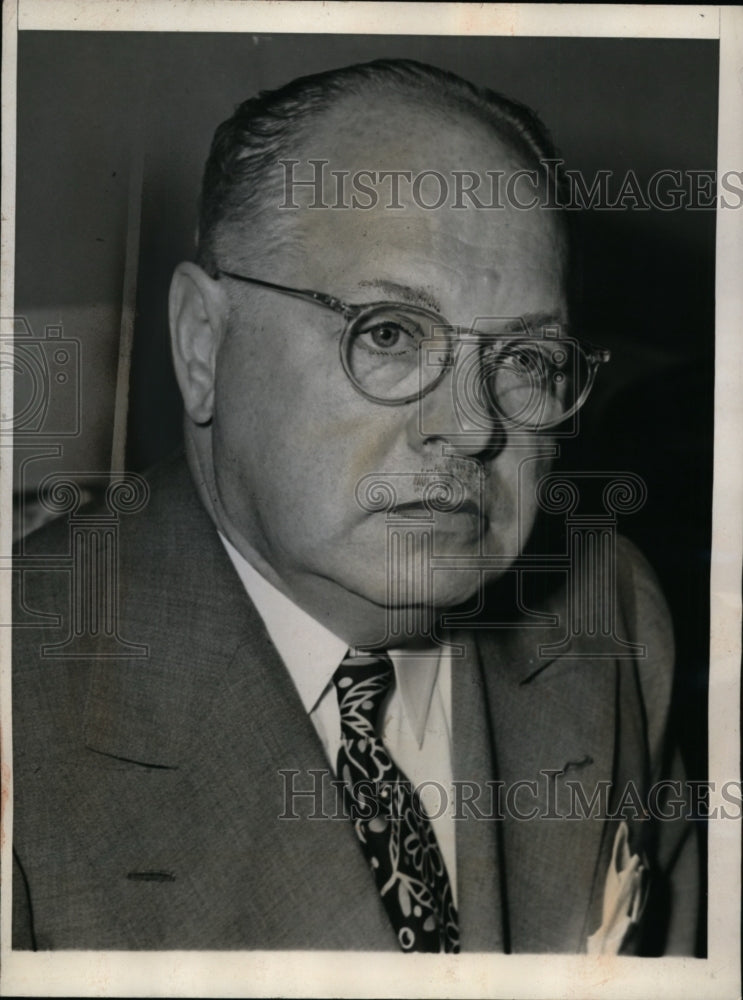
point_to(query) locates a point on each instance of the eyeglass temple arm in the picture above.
(300, 293)
(597, 355)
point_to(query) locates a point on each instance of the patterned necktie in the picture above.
(395, 833)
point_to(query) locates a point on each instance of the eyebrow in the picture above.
(534, 322)
(420, 296)
(416, 296)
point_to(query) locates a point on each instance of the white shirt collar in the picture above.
(312, 652)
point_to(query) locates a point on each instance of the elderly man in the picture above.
(348, 730)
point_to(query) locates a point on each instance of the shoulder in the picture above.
(640, 597)
(80, 582)
(645, 619)
(642, 608)
(123, 602)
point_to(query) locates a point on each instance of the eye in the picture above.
(389, 336)
(527, 360)
(386, 335)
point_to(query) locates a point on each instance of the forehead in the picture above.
(393, 208)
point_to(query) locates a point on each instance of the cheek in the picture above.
(283, 397)
(529, 507)
(514, 479)
(300, 454)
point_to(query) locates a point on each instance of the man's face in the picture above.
(294, 442)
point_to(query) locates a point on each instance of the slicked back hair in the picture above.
(267, 128)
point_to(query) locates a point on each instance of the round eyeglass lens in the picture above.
(395, 353)
(536, 384)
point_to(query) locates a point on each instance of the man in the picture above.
(374, 368)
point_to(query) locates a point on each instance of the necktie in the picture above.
(394, 831)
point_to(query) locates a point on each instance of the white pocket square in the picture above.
(624, 897)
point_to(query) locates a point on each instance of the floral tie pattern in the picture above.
(388, 816)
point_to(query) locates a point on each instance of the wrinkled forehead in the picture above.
(386, 191)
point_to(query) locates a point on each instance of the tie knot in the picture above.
(362, 684)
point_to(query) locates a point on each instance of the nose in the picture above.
(453, 418)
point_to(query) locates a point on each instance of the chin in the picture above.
(451, 588)
(404, 578)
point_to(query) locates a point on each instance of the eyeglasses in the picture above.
(395, 353)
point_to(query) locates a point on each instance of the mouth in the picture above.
(418, 509)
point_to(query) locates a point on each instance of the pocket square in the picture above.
(624, 897)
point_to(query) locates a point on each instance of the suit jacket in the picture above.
(151, 791)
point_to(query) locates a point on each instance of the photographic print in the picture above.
(371, 474)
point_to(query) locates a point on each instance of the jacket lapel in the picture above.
(568, 708)
(288, 872)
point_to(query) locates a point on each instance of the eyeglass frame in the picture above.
(351, 312)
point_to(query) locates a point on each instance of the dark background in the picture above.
(88, 101)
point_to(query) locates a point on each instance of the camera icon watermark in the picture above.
(503, 376)
(47, 385)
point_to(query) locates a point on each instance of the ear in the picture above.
(198, 311)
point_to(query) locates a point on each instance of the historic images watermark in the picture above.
(550, 187)
(48, 410)
(47, 368)
(317, 794)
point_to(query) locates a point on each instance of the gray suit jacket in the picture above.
(148, 790)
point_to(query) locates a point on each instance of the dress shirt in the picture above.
(416, 722)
